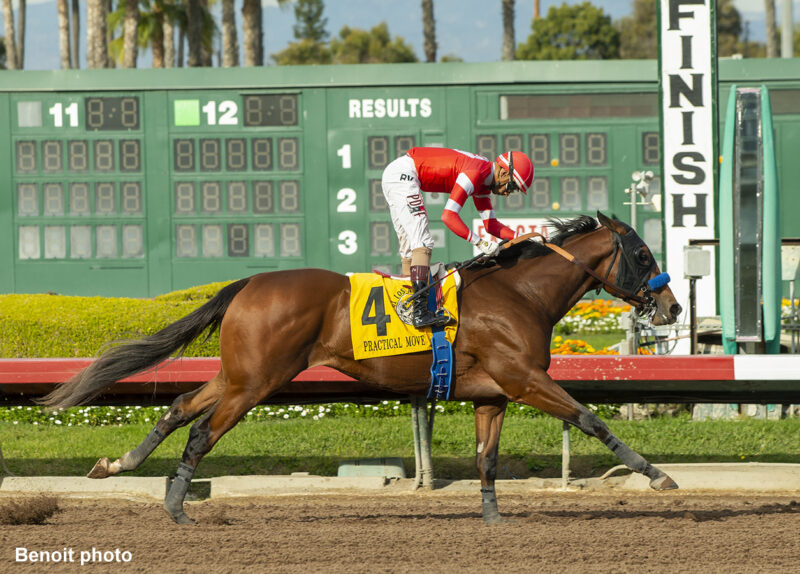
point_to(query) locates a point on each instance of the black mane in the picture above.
(564, 229)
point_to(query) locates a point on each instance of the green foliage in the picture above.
(639, 31)
(310, 25)
(65, 326)
(303, 53)
(528, 445)
(126, 415)
(450, 58)
(356, 46)
(729, 28)
(309, 31)
(572, 32)
(352, 46)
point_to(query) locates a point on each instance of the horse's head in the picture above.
(634, 271)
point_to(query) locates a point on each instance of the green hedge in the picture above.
(63, 326)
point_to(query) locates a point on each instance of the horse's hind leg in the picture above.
(488, 424)
(184, 410)
(203, 435)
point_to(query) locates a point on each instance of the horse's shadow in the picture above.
(538, 516)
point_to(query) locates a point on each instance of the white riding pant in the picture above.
(410, 219)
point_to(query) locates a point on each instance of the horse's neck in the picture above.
(569, 282)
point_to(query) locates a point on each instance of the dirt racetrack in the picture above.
(427, 532)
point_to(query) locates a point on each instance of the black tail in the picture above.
(133, 357)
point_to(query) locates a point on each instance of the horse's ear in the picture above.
(611, 224)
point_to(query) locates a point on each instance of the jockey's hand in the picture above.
(489, 248)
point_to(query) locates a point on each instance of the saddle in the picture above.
(376, 328)
(438, 272)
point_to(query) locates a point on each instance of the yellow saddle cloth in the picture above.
(375, 328)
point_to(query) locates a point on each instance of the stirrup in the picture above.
(434, 320)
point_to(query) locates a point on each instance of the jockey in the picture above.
(461, 175)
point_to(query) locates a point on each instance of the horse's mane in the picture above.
(564, 229)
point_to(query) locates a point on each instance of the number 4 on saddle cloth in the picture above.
(376, 330)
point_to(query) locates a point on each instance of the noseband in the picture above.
(632, 274)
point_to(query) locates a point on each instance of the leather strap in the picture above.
(613, 289)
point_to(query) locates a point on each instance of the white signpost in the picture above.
(687, 65)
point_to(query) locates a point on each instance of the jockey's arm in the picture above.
(483, 203)
(450, 216)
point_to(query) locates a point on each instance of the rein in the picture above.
(645, 301)
(612, 289)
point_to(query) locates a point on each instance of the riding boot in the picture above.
(421, 315)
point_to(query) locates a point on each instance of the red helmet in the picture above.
(522, 167)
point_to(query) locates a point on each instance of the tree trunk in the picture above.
(509, 45)
(21, 34)
(158, 36)
(97, 55)
(91, 8)
(107, 8)
(130, 47)
(76, 35)
(63, 33)
(169, 42)
(429, 30)
(207, 37)
(772, 31)
(195, 33)
(10, 40)
(252, 32)
(230, 43)
(181, 48)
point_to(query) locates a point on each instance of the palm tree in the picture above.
(130, 34)
(96, 34)
(10, 39)
(200, 31)
(429, 30)
(151, 31)
(230, 43)
(509, 45)
(194, 32)
(63, 33)
(772, 31)
(252, 31)
(21, 34)
(76, 34)
(168, 34)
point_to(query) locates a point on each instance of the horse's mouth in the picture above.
(668, 317)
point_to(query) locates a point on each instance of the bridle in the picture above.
(631, 275)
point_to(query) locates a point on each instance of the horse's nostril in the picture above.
(675, 309)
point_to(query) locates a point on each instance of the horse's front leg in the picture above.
(544, 393)
(488, 424)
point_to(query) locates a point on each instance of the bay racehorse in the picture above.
(275, 325)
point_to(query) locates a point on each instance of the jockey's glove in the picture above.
(489, 248)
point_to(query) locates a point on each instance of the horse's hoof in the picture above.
(100, 469)
(494, 518)
(663, 482)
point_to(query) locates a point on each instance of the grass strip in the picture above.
(528, 446)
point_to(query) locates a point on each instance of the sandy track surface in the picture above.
(430, 531)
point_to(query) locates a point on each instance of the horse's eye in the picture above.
(643, 256)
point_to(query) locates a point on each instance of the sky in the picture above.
(469, 29)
